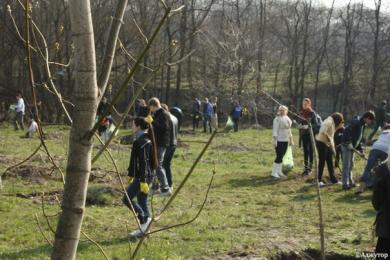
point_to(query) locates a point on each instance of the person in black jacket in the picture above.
(161, 125)
(381, 203)
(351, 141)
(306, 115)
(142, 161)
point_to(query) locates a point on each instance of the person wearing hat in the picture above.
(281, 138)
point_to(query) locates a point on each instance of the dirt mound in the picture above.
(103, 196)
(7, 160)
(55, 135)
(99, 175)
(307, 254)
(34, 174)
(311, 254)
(239, 147)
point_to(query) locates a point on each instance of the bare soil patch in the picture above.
(34, 174)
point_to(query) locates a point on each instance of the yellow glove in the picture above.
(149, 119)
(130, 179)
(144, 187)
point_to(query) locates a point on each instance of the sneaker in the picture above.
(141, 232)
(321, 184)
(306, 173)
(145, 225)
(275, 175)
(136, 233)
(166, 193)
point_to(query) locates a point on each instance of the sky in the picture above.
(369, 3)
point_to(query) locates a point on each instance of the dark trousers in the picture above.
(307, 151)
(195, 121)
(325, 156)
(168, 162)
(280, 150)
(141, 206)
(207, 123)
(235, 124)
(18, 123)
(383, 247)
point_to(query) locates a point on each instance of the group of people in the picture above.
(155, 140)
(208, 112)
(331, 137)
(334, 138)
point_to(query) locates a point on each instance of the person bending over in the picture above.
(378, 153)
(326, 147)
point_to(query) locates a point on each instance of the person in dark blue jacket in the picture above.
(207, 114)
(381, 203)
(143, 161)
(236, 115)
(351, 141)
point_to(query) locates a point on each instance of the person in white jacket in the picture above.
(281, 138)
(20, 109)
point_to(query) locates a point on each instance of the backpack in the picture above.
(316, 125)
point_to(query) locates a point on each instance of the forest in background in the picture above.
(229, 48)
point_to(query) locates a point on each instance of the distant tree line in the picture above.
(229, 48)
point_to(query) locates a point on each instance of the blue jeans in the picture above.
(161, 174)
(141, 206)
(167, 163)
(348, 156)
(207, 123)
(373, 158)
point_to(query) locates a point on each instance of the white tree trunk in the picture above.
(80, 149)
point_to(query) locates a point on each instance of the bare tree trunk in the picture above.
(183, 32)
(80, 148)
(307, 11)
(169, 44)
(111, 46)
(261, 23)
(322, 53)
(375, 62)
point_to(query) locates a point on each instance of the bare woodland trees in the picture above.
(227, 47)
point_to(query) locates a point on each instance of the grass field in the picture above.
(247, 214)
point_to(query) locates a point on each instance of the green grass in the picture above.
(246, 210)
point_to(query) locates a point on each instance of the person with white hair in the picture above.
(381, 203)
(281, 138)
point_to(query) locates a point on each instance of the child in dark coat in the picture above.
(142, 161)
